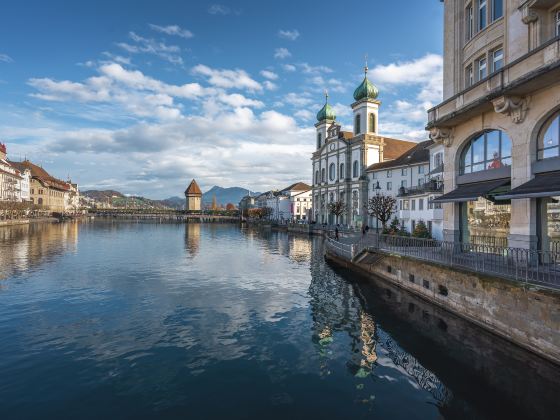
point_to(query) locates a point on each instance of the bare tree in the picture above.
(338, 208)
(382, 207)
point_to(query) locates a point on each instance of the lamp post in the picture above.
(377, 191)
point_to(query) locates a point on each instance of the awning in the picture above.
(542, 185)
(471, 192)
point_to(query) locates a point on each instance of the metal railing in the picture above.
(524, 265)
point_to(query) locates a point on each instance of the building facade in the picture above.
(193, 197)
(10, 178)
(341, 158)
(499, 122)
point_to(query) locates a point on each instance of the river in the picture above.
(138, 320)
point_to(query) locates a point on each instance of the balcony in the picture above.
(433, 186)
(533, 71)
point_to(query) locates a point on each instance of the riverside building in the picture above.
(499, 122)
(341, 157)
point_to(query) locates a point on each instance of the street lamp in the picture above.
(377, 191)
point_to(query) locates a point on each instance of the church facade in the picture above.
(341, 157)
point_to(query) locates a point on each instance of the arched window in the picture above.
(332, 171)
(489, 150)
(355, 169)
(357, 124)
(323, 175)
(318, 140)
(316, 177)
(341, 171)
(331, 197)
(549, 138)
(372, 122)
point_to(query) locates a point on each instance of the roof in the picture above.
(542, 185)
(416, 154)
(298, 186)
(193, 188)
(40, 174)
(395, 148)
(471, 192)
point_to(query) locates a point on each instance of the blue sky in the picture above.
(142, 96)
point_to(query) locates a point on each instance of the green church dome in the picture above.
(326, 113)
(366, 90)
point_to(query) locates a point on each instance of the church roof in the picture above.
(417, 154)
(326, 113)
(366, 89)
(193, 189)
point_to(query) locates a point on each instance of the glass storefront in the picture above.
(485, 223)
(550, 224)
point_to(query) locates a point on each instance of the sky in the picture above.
(143, 96)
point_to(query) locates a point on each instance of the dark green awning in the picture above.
(471, 192)
(542, 185)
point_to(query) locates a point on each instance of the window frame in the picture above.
(355, 169)
(482, 20)
(494, 3)
(469, 75)
(469, 21)
(389, 186)
(357, 124)
(332, 171)
(469, 149)
(556, 22)
(494, 51)
(341, 171)
(371, 122)
(479, 68)
(389, 173)
(542, 132)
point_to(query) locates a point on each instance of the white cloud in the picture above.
(6, 58)
(309, 69)
(268, 85)
(299, 100)
(282, 53)
(172, 30)
(151, 46)
(269, 74)
(304, 114)
(289, 67)
(292, 35)
(219, 9)
(238, 79)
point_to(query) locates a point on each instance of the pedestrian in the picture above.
(367, 228)
(336, 233)
(363, 231)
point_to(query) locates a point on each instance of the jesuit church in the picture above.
(342, 157)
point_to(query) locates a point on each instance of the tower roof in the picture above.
(366, 90)
(193, 189)
(326, 113)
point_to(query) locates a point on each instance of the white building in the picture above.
(341, 158)
(10, 178)
(415, 179)
(301, 200)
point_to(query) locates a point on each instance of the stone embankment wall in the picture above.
(527, 316)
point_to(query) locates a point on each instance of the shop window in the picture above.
(485, 224)
(489, 150)
(550, 225)
(549, 138)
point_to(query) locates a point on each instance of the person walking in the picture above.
(336, 233)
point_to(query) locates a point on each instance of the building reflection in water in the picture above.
(24, 247)
(192, 239)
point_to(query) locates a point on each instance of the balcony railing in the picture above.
(528, 266)
(432, 186)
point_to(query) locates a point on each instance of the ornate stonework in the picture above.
(442, 135)
(514, 106)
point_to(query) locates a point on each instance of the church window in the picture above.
(323, 175)
(316, 177)
(357, 124)
(372, 122)
(318, 140)
(355, 169)
(332, 171)
(342, 171)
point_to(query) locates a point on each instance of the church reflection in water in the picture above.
(23, 247)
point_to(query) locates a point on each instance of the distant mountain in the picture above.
(103, 196)
(174, 203)
(225, 195)
(117, 199)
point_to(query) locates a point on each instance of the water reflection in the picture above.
(192, 238)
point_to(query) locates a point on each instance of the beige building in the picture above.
(193, 197)
(500, 122)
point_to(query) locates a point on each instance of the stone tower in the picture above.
(193, 197)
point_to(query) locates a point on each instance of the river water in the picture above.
(132, 320)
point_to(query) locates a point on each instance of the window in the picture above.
(342, 171)
(420, 204)
(469, 76)
(403, 183)
(549, 138)
(413, 206)
(497, 59)
(32, 191)
(497, 9)
(323, 175)
(469, 21)
(332, 171)
(489, 150)
(421, 169)
(318, 140)
(389, 173)
(373, 176)
(400, 204)
(389, 186)
(482, 73)
(405, 204)
(316, 177)
(372, 123)
(557, 26)
(482, 13)
(355, 169)
(438, 159)
(357, 124)
(403, 171)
